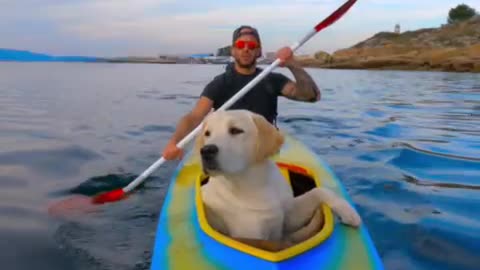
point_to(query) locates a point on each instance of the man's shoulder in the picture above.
(220, 76)
(217, 80)
(278, 79)
(277, 82)
(277, 75)
(214, 88)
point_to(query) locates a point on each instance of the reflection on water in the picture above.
(405, 144)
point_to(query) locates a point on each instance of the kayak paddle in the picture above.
(119, 194)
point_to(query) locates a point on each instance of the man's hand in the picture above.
(172, 152)
(285, 55)
(304, 87)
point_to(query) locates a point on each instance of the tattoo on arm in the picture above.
(304, 89)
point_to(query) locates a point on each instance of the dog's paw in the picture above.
(346, 213)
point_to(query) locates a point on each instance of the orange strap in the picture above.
(293, 168)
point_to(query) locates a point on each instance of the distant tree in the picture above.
(460, 13)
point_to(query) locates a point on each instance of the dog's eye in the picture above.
(207, 133)
(235, 131)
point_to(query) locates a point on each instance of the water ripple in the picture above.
(64, 161)
(404, 144)
(177, 96)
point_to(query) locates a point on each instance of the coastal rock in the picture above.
(453, 47)
(323, 57)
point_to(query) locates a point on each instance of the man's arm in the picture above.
(192, 119)
(304, 88)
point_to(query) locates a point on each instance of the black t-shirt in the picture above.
(261, 99)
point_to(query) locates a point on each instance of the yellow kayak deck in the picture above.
(184, 240)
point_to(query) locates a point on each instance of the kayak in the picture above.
(184, 239)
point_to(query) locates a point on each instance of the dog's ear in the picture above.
(269, 139)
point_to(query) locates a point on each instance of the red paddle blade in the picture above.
(79, 204)
(335, 15)
(71, 207)
(110, 196)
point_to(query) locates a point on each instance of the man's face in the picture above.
(245, 51)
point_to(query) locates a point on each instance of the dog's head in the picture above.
(233, 140)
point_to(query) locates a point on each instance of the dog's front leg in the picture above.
(301, 210)
(307, 231)
(304, 206)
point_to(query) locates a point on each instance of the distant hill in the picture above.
(12, 55)
(27, 56)
(451, 47)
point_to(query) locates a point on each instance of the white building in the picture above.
(397, 28)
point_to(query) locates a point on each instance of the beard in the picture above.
(242, 64)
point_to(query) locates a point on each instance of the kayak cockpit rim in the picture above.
(273, 256)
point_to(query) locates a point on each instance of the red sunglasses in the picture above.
(250, 44)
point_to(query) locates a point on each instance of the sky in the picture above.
(112, 28)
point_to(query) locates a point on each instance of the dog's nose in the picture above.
(209, 150)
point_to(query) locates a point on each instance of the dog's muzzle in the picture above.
(209, 155)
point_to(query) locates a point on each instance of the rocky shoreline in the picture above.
(434, 60)
(453, 48)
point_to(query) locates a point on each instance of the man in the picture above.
(262, 98)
